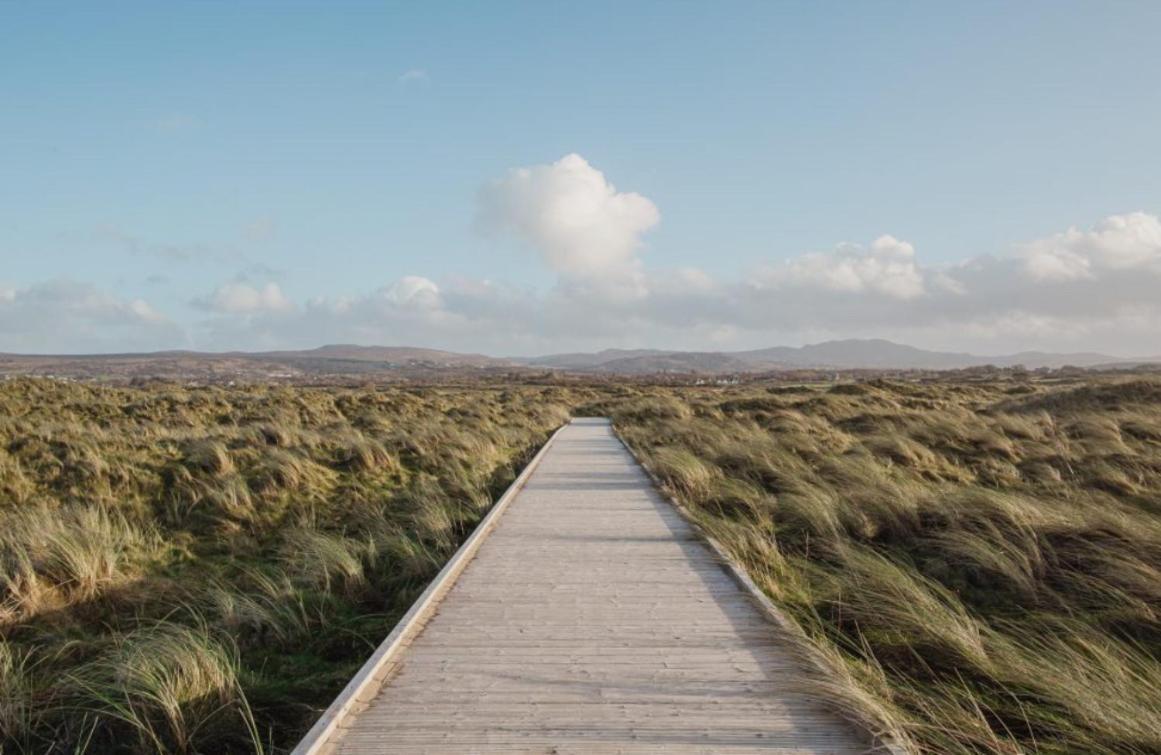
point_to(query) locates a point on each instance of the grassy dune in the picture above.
(203, 569)
(980, 563)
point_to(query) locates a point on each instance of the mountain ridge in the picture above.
(406, 361)
(852, 353)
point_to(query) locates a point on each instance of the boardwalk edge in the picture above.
(373, 673)
(772, 612)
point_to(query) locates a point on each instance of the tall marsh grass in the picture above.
(168, 687)
(202, 569)
(981, 561)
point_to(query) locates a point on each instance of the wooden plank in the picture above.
(593, 619)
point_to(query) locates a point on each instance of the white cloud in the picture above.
(238, 298)
(413, 76)
(1119, 242)
(145, 311)
(411, 310)
(66, 316)
(586, 230)
(413, 292)
(887, 267)
(1053, 265)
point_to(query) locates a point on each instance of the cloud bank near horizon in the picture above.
(1095, 288)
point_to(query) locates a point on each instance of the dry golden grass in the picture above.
(981, 561)
(201, 570)
(186, 570)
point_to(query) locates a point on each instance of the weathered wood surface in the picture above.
(592, 619)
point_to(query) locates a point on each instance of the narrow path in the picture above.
(593, 620)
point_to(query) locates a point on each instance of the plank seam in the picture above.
(370, 676)
(768, 608)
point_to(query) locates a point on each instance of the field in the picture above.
(978, 562)
(185, 569)
(203, 569)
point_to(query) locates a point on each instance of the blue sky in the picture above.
(251, 175)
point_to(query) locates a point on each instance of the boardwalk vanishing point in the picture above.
(584, 616)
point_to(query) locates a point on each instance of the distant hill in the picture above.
(1077, 359)
(860, 354)
(401, 355)
(586, 360)
(348, 360)
(342, 360)
(845, 354)
(707, 362)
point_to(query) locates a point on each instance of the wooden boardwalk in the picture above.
(590, 620)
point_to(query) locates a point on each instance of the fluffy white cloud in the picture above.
(66, 316)
(586, 230)
(887, 267)
(411, 310)
(413, 292)
(238, 298)
(1119, 242)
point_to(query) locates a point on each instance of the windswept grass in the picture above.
(981, 562)
(53, 557)
(170, 688)
(203, 569)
